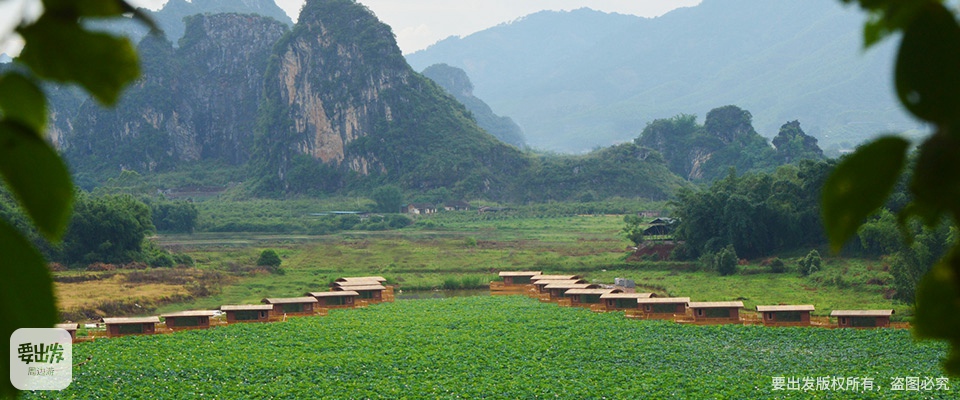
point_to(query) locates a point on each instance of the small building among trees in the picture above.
(247, 312)
(557, 290)
(421, 208)
(188, 319)
(369, 292)
(335, 299)
(131, 326)
(862, 318)
(456, 206)
(624, 301)
(292, 305)
(719, 312)
(786, 315)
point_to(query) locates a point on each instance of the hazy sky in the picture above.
(420, 23)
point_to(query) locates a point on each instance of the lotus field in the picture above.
(506, 347)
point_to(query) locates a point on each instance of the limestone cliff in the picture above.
(339, 91)
(198, 101)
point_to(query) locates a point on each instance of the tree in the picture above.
(57, 47)
(793, 144)
(810, 263)
(107, 229)
(726, 261)
(389, 198)
(270, 259)
(633, 229)
(926, 81)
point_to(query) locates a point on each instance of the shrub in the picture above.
(726, 261)
(811, 263)
(777, 266)
(271, 261)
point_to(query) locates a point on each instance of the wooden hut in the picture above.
(717, 312)
(623, 301)
(557, 290)
(541, 285)
(247, 312)
(335, 299)
(862, 318)
(663, 307)
(292, 305)
(131, 326)
(587, 297)
(798, 315)
(370, 292)
(188, 319)
(511, 278)
(70, 328)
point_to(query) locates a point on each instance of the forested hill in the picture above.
(576, 80)
(456, 82)
(325, 107)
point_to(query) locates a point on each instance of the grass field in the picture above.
(466, 250)
(499, 347)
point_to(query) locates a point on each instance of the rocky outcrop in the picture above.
(339, 90)
(196, 102)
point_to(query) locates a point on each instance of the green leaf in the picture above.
(859, 185)
(926, 72)
(38, 177)
(938, 305)
(60, 49)
(26, 293)
(28, 107)
(936, 178)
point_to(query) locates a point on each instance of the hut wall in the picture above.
(248, 316)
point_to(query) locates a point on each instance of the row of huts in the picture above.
(573, 290)
(347, 292)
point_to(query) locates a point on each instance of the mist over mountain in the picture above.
(580, 79)
(457, 83)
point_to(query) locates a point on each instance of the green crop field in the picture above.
(501, 347)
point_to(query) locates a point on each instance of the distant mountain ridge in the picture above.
(456, 82)
(580, 79)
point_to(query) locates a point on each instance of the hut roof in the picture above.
(664, 300)
(716, 304)
(566, 285)
(196, 313)
(555, 277)
(805, 307)
(544, 282)
(520, 273)
(358, 282)
(592, 291)
(290, 300)
(357, 288)
(123, 321)
(247, 307)
(627, 296)
(362, 278)
(341, 293)
(69, 327)
(862, 313)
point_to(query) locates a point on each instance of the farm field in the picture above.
(499, 347)
(464, 250)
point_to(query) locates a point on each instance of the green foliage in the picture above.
(269, 258)
(108, 229)
(388, 199)
(178, 216)
(443, 349)
(927, 86)
(757, 213)
(725, 262)
(811, 263)
(57, 47)
(793, 144)
(777, 266)
(633, 229)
